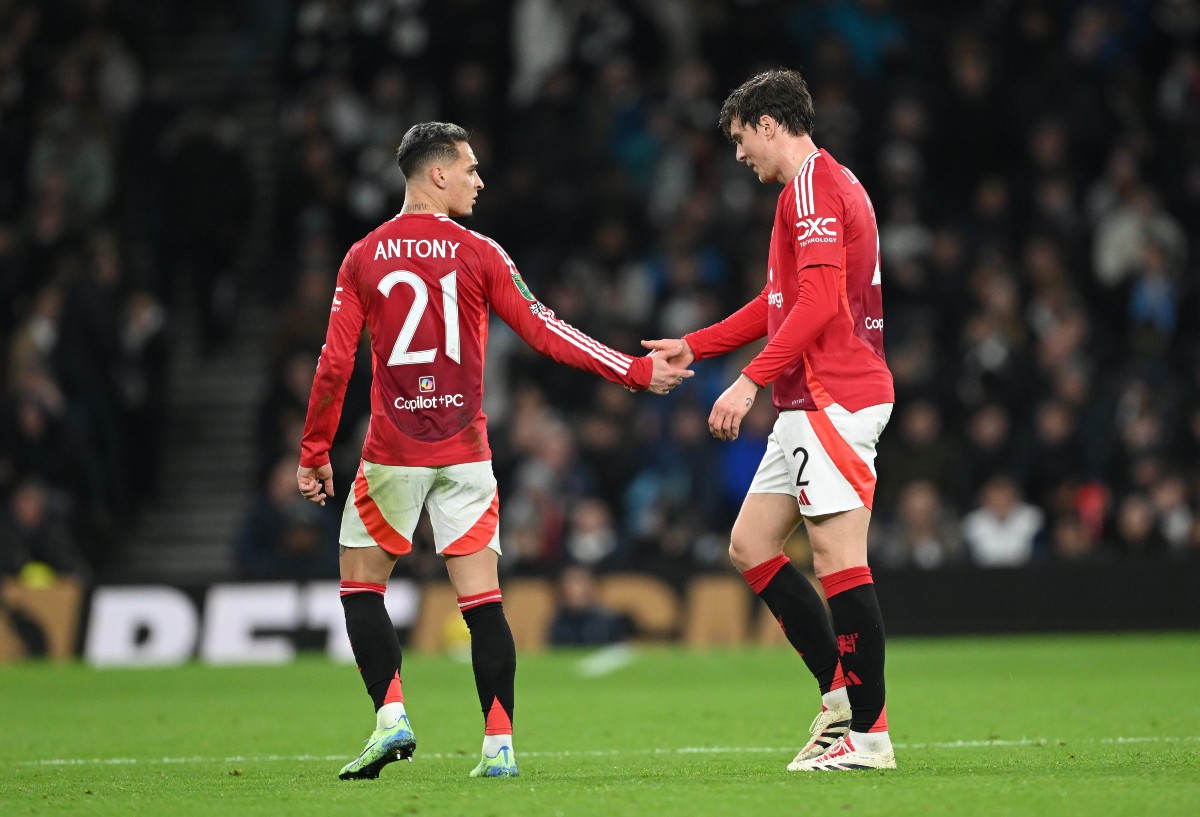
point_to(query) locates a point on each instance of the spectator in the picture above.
(1176, 518)
(144, 361)
(546, 485)
(209, 200)
(580, 619)
(36, 441)
(1052, 451)
(1122, 236)
(1070, 542)
(33, 530)
(286, 402)
(919, 452)
(673, 490)
(285, 537)
(1004, 530)
(923, 535)
(987, 453)
(1136, 528)
(591, 538)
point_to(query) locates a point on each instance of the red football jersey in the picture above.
(821, 308)
(423, 285)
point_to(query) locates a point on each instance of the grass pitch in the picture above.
(1061, 725)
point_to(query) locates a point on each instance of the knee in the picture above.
(825, 561)
(743, 554)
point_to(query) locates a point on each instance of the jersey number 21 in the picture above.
(401, 356)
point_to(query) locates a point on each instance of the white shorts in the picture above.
(825, 459)
(463, 503)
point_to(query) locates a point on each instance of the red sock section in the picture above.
(844, 580)
(498, 722)
(350, 588)
(839, 679)
(466, 603)
(759, 576)
(881, 723)
(395, 693)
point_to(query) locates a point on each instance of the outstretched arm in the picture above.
(538, 326)
(746, 325)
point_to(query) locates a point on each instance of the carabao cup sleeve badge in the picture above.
(524, 290)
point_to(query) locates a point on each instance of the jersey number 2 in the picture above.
(803, 453)
(401, 356)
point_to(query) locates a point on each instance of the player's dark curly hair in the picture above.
(780, 93)
(428, 142)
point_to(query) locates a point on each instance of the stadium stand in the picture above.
(178, 184)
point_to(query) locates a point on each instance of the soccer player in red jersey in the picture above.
(423, 285)
(822, 313)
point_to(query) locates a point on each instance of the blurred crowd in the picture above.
(84, 323)
(120, 206)
(1034, 165)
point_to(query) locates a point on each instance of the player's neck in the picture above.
(420, 206)
(795, 152)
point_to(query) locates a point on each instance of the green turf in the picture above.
(670, 733)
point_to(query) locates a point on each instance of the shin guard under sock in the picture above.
(858, 625)
(798, 609)
(493, 658)
(373, 640)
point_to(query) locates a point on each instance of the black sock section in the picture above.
(798, 609)
(493, 658)
(860, 638)
(373, 639)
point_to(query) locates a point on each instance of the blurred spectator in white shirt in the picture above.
(1004, 529)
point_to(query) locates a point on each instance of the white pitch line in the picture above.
(684, 750)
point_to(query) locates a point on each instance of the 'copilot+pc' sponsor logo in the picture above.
(427, 401)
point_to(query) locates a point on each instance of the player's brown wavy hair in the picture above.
(427, 142)
(780, 93)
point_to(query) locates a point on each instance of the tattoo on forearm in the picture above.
(749, 402)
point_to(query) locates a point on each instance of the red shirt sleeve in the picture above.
(346, 318)
(746, 325)
(541, 329)
(816, 305)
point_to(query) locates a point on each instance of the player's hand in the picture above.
(666, 375)
(676, 351)
(316, 484)
(725, 420)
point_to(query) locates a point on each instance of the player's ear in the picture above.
(767, 125)
(437, 175)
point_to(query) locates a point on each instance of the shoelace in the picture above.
(812, 727)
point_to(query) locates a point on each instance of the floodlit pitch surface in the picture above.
(1055, 725)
